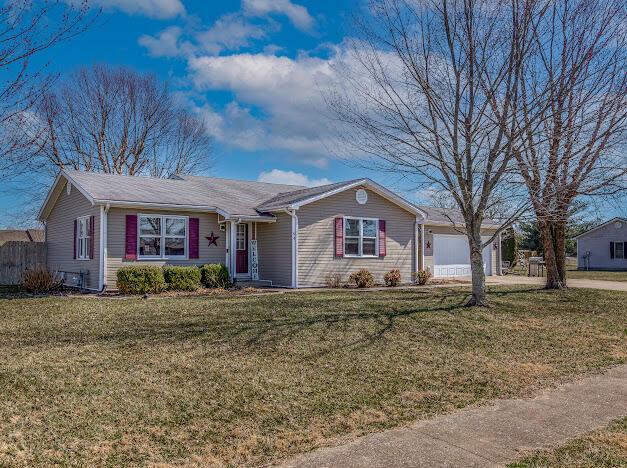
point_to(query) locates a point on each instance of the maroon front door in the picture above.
(241, 243)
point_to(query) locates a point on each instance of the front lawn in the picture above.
(605, 447)
(252, 379)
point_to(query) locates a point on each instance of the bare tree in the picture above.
(574, 87)
(431, 92)
(27, 29)
(114, 121)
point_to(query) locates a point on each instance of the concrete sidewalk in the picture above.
(487, 436)
(572, 283)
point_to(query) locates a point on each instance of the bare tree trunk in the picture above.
(478, 297)
(553, 234)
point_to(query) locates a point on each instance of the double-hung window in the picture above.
(619, 250)
(361, 237)
(83, 238)
(162, 236)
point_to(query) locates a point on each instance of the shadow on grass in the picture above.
(369, 315)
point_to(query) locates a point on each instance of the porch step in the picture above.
(253, 283)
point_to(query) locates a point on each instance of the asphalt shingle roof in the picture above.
(237, 197)
(287, 198)
(26, 235)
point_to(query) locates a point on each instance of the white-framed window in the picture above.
(83, 238)
(619, 250)
(162, 236)
(361, 237)
(240, 237)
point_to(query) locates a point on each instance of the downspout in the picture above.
(416, 249)
(294, 217)
(102, 264)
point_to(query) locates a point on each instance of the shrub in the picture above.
(182, 278)
(333, 280)
(509, 246)
(392, 278)
(422, 276)
(362, 278)
(140, 279)
(40, 280)
(215, 275)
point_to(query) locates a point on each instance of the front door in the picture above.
(241, 243)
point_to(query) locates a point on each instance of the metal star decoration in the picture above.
(212, 239)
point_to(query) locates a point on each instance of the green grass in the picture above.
(606, 447)
(597, 275)
(574, 273)
(253, 379)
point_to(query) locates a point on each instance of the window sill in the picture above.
(161, 258)
(360, 256)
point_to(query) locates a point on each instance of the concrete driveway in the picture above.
(572, 283)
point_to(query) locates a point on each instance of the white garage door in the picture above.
(451, 256)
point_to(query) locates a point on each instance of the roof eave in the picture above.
(379, 189)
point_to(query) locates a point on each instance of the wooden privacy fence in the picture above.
(17, 257)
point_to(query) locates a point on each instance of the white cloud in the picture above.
(229, 32)
(297, 14)
(287, 91)
(165, 44)
(160, 9)
(277, 176)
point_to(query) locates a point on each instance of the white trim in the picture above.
(617, 218)
(101, 249)
(379, 189)
(90, 239)
(294, 236)
(499, 256)
(248, 274)
(429, 222)
(361, 237)
(417, 225)
(162, 236)
(423, 251)
(232, 249)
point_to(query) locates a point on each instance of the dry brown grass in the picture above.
(606, 447)
(247, 380)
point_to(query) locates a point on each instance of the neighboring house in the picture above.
(26, 235)
(284, 235)
(603, 247)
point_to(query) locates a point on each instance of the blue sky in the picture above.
(254, 69)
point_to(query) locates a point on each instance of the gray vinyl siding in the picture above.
(274, 247)
(428, 259)
(316, 229)
(598, 244)
(116, 241)
(60, 235)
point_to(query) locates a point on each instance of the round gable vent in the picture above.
(361, 196)
(618, 225)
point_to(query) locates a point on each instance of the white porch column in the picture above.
(232, 248)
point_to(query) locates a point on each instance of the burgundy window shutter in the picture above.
(194, 238)
(339, 237)
(75, 233)
(91, 237)
(130, 251)
(382, 243)
(612, 250)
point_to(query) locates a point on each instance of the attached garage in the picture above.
(451, 256)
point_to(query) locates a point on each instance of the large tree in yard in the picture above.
(112, 120)
(27, 30)
(430, 92)
(574, 88)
